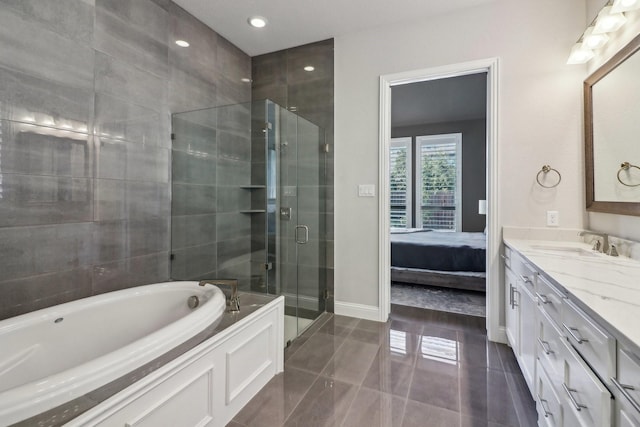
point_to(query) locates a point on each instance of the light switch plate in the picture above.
(366, 190)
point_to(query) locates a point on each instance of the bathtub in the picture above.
(55, 355)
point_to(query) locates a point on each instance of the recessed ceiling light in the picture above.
(182, 43)
(246, 80)
(257, 21)
(309, 68)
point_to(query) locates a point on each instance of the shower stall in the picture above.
(248, 202)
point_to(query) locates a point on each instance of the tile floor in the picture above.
(423, 368)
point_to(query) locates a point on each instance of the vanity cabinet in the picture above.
(627, 386)
(568, 360)
(520, 313)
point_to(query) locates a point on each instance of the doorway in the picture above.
(418, 209)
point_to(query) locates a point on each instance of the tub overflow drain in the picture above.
(193, 301)
(58, 320)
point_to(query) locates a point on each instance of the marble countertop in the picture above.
(606, 287)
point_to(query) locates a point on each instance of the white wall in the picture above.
(618, 225)
(540, 104)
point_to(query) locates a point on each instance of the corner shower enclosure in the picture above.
(248, 196)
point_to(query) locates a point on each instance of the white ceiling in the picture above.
(438, 101)
(297, 22)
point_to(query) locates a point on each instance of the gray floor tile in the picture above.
(435, 388)
(371, 408)
(484, 395)
(275, 402)
(418, 414)
(314, 355)
(325, 404)
(388, 376)
(351, 362)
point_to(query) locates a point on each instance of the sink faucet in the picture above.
(605, 239)
(230, 289)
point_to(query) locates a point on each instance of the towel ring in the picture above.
(624, 167)
(546, 169)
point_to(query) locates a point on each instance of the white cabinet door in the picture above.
(528, 341)
(512, 302)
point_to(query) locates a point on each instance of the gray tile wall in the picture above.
(280, 77)
(87, 88)
(211, 236)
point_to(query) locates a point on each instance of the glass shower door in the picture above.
(301, 225)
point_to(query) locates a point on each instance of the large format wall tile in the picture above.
(72, 19)
(135, 32)
(121, 79)
(30, 48)
(87, 88)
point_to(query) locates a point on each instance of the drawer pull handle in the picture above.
(526, 279)
(624, 389)
(546, 412)
(578, 338)
(545, 346)
(578, 406)
(543, 298)
(503, 257)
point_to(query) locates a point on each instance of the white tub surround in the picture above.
(210, 383)
(57, 369)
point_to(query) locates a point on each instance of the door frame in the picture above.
(489, 66)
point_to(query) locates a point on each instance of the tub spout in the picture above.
(230, 289)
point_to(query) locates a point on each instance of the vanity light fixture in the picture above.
(624, 5)
(309, 68)
(257, 21)
(608, 22)
(593, 41)
(609, 19)
(579, 54)
(182, 43)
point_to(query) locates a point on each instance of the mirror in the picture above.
(612, 134)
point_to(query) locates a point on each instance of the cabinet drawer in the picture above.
(626, 415)
(628, 381)
(549, 299)
(547, 402)
(525, 273)
(550, 342)
(583, 394)
(591, 341)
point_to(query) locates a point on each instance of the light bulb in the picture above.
(624, 5)
(593, 41)
(608, 22)
(579, 54)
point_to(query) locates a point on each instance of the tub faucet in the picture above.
(605, 239)
(230, 289)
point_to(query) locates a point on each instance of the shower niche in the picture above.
(248, 202)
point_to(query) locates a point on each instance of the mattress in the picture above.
(444, 251)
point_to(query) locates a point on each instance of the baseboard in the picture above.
(360, 311)
(501, 336)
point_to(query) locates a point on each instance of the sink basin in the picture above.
(565, 250)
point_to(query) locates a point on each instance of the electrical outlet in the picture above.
(553, 218)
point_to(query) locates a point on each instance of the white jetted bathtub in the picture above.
(52, 356)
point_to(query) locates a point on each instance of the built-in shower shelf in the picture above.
(253, 211)
(253, 187)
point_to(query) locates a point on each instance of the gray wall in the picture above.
(86, 92)
(474, 149)
(280, 77)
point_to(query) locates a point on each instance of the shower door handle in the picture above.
(306, 234)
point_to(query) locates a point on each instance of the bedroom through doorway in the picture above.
(438, 194)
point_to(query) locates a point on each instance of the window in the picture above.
(439, 171)
(431, 182)
(400, 182)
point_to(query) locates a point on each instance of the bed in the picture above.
(447, 259)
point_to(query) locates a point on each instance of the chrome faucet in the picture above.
(230, 289)
(605, 240)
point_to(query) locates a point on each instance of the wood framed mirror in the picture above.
(612, 134)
